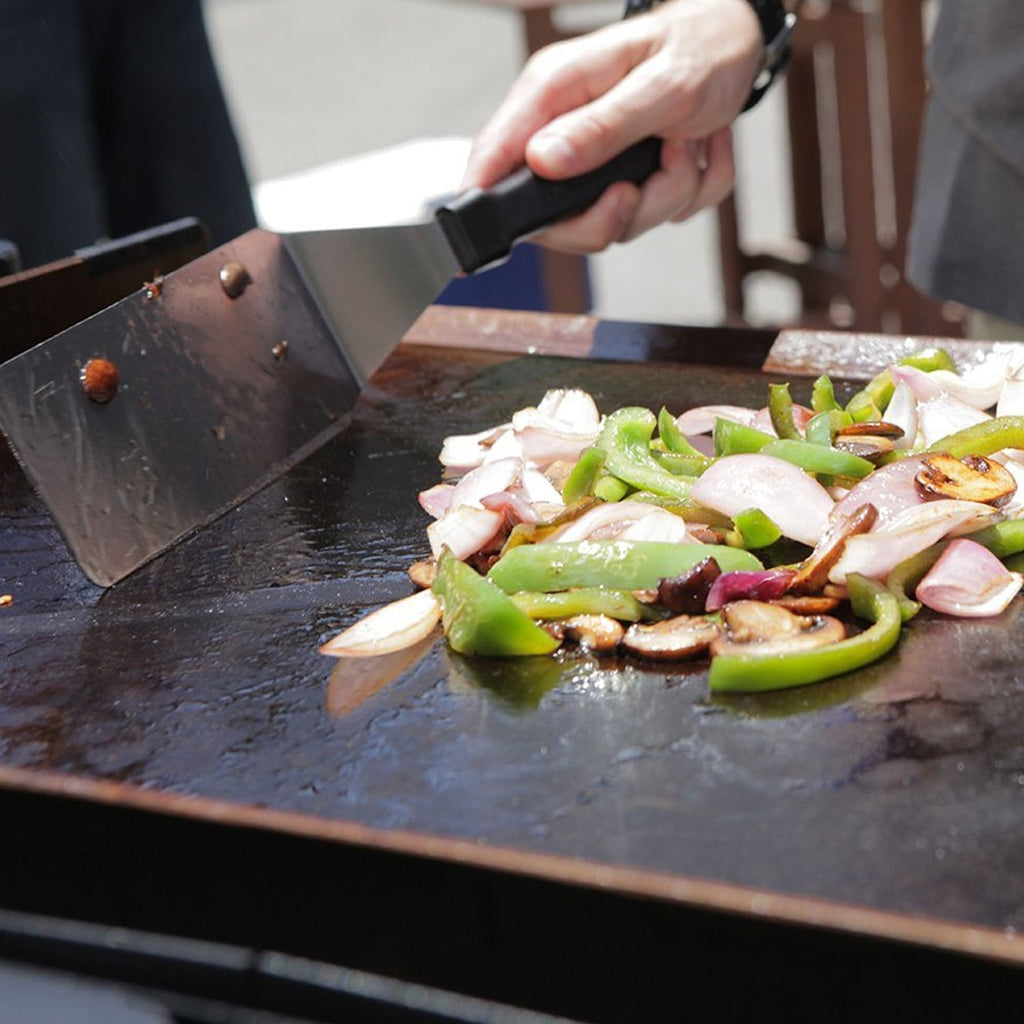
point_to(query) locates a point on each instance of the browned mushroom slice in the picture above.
(867, 446)
(599, 633)
(688, 592)
(813, 572)
(423, 573)
(972, 478)
(807, 604)
(872, 428)
(754, 627)
(684, 636)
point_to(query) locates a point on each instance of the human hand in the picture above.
(681, 72)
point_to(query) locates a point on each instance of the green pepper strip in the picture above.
(823, 395)
(626, 440)
(823, 427)
(479, 619)
(816, 458)
(780, 411)
(619, 564)
(679, 464)
(617, 604)
(756, 530)
(583, 477)
(753, 673)
(736, 438)
(610, 488)
(983, 438)
(672, 437)
(904, 578)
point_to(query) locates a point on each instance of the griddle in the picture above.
(180, 734)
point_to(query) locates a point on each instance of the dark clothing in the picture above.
(112, 120)
(967, 240)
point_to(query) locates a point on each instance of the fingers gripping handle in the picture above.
(483, 224)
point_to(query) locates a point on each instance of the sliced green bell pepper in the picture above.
(560, 604)
(626, 441)
(581, 480)
(754, 673)
(738, 439)
(817, 458)
(672, 437)
(780, 411)
(478, 618)
(823, 395)
(756, 530)
(983, 438)
(619, 564)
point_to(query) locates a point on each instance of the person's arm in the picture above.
(682, 71)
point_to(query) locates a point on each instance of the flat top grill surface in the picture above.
(898, 788)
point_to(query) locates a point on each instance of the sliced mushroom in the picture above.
(872, 428)
(866, 446)
(813, 572)
(754, 627)
(684, 636)
(599, 633)
(807, 604)
(423, 573)
(687, 593)
(972, 478)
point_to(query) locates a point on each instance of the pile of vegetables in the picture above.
(786, 544)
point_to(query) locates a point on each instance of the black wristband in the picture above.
(776, 29)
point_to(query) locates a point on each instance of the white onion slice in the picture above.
(463, 452)
(658, 525)
(392, 628)
(797, 504)
(968, 581)
(605, 521)
(902, 412)
(891, 489)
(490, 478)
(465, 530)
(701, 420)
(436, 500)
(877, 553)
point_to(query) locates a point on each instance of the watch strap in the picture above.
(777, 26)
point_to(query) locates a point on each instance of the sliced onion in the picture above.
(702, 419)
(436, 500)
(763, 585)
(658, 525)
(463, 452)
(877, 553)
(968, 581)
(943, 415)
(797, 504)
(978, 386)
(605, 521)
(392, 628)
(539, 490)
(891, 489)
(490, 478)
(513, 507)
(465, 530)
(902, 411)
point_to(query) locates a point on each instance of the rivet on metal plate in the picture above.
(100, 378)
(234, 279)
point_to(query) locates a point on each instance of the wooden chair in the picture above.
(855, 96)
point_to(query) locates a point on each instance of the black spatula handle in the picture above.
(483, 224)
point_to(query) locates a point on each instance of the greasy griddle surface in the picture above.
(900, 787)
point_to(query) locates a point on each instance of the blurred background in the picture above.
(379, 92)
